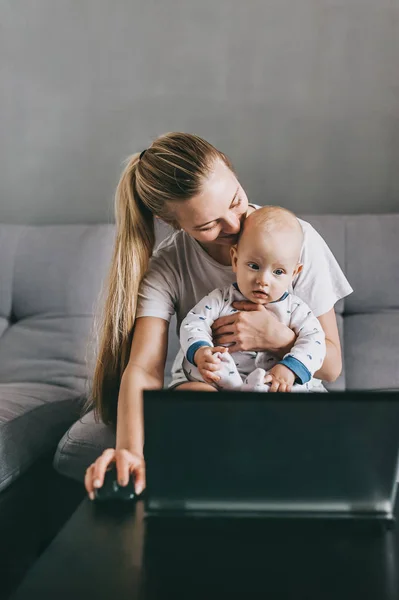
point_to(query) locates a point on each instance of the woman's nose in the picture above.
(231, 224)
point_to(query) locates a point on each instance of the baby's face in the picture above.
(265, 264)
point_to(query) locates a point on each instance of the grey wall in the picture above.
(302, 94)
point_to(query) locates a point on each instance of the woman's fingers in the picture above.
(89, 481)
(229, 329)
(139, 477)
(100, 466)
(225, 321)
(126, 463)
(123, 465)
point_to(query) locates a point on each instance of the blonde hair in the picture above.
(172, 169)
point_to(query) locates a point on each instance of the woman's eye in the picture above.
(279, 272)
(253, 266)
(208, 228)
(237, 203)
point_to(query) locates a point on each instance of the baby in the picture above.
(265, 260)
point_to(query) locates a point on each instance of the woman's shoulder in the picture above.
(173, 243)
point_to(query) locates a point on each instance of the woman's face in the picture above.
(216, 214)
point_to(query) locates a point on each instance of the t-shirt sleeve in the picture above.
(158, 290)
(321, 283)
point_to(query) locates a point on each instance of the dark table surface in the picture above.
(105, 553)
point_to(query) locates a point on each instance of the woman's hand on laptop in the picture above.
(127, 463)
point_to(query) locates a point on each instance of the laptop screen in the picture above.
(254, 453)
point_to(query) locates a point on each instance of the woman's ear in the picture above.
(234, 258)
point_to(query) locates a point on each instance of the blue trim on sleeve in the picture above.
(303, 375)
(193, 349)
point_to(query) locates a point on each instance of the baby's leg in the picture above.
(255, 382)
(230, 379)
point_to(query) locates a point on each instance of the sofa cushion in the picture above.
(47, 349)
(50, 279)
(9, 239)
(372, 351)
(4, 323)
(59, 270)
(372, 263)
(33, 417)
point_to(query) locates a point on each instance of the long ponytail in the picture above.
(134, 243)
(172, 169)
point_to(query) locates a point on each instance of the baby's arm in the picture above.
(196, 335)
(309, 350)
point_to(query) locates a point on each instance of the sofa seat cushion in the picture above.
(33, 417)
(371, 351)
(47, 348)
(82, 445)
(3, 325)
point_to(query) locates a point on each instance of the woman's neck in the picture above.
(219, 253)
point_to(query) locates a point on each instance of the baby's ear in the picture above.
(234, 256)
(297, 269)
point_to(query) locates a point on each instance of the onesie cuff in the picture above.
(303, 375)
(193, 349)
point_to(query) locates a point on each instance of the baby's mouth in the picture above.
(260, 294)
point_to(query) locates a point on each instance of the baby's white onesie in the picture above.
(246, 370)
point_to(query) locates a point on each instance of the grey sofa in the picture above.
(50, 278)
(49, 283)
(367, 248)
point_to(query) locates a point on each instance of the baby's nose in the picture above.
(262, 279)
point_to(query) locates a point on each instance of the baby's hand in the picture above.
(281, 378)
(207, 363)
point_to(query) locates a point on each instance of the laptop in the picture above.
(249, 454)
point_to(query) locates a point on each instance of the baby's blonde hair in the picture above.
(271, 219)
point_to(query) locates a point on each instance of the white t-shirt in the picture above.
(180, 273)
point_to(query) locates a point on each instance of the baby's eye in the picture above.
(253, 266)
(278, 272)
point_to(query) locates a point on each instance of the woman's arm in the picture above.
(145, 370)
(332, 365)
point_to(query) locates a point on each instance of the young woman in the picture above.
(189, 184)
